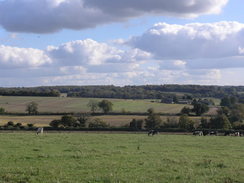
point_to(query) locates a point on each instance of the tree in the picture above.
(68, 121)
(2, 110)
(98, 123)
(186, 123)
(10, 123)
(82, 120)
(55, 123)
(32, 108)
(93, 105)
(185, 110)
(204, 123)
(153, 120)
(220, 122)
(106, 106)
(228, 101)
(175, 99)
(200, 108)
(136, 124)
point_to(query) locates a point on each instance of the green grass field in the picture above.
(57, 104)
(126, 158)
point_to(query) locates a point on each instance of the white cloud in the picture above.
(84, 52)
(192, 41)
(45, 16)
(85, 62)
(22, 57)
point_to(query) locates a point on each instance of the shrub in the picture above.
(30, 125)
(68, 121)
(153, 120)
(55, 123)
(2, 110)
(10, 123)
(98, 123)
(186, 123)
(136, 124)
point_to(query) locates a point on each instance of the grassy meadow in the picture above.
(107, 158)
(58, 104)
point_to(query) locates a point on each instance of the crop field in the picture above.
(112, 120)
(58, 104)
(129, 158)
(38, 121)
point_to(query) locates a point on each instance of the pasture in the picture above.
(59, 105)
(129, 158)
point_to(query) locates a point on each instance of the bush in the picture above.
(55, 123)
(68, 121)
(10, 123)
(186, 123)
(98, 123)
(30, 125)
(136, 124)
(106, 106)
(2, 110)
(153, 120)
(185, 110)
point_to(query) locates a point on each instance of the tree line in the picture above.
(127, 92)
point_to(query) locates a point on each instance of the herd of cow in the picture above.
(216, 133)
(196, 132)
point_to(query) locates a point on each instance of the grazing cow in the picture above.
(199, 133)
(213, 133)
(152, 132)
(237, 134)
(208, 132)
(39, 130)
(229, 133)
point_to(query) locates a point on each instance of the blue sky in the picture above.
(90, 42)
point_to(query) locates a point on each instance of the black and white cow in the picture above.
(152, 132)
(39, 130)
(198, 132)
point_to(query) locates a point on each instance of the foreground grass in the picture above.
(81, 157)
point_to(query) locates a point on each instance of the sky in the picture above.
(129, 42)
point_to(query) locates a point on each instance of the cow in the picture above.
(237, 134)
(229, 133)
(39, 130)
(152, 132)
(199, 133)
(213, 133)
(210, 132)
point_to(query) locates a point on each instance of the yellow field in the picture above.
(112, 120)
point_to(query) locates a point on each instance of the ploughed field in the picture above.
(59, 105)
(90, 157)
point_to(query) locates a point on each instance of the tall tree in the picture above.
(153, 120)
(186, 123)
(106, 106)
(220, 122)
(93, 105)
(200, 108)
(32, 108)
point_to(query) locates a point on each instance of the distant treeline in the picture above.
(127, 92)
(35, 91)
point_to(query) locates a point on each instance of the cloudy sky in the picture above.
(127, 42)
